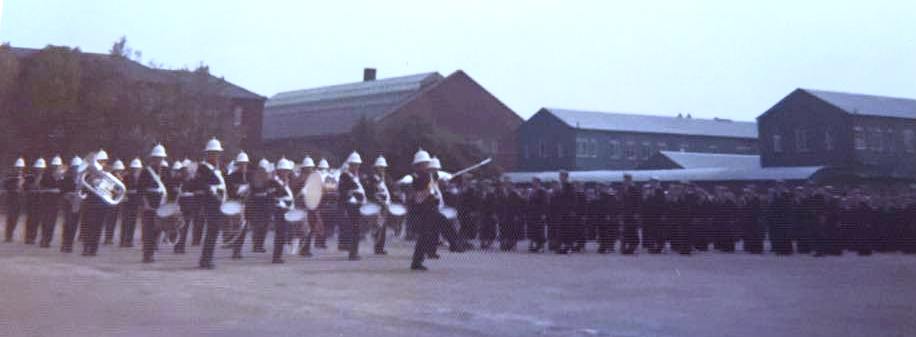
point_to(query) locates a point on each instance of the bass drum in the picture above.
(397, 209)
(170, 222)
(295, 215)
(313, 190)
(231, 208)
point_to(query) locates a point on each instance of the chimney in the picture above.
(368, 74)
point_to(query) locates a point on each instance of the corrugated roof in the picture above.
(861, 104)
(691, 160)
(696, 175)
(607, 121)
(336, 109)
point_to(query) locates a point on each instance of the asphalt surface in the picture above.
(46, 293)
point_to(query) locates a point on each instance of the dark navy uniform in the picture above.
(753, 232)
(780, 217)
(71, 209)
(631, 199)
(209, 185)
(33, 205)
(150, 196)
(14, 186)
(130, 209)
(426, 215)
(352, 195)
(654, 230)
(536, 213)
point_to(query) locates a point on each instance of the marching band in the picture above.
(304, 206)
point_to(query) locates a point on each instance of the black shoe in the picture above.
(259, 250)
(381, 252)
(208, 266)
(602, 251)
(66, 250)
(562, 251)
(305, 253)
(354, 258)
(278, 261)
(236, 256)
(418, 267)
(433, 256)
(179, 250)
(45, 245)
(148, 260)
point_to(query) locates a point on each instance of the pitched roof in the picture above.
(136, 71)
(691, 160)
(335, 109)
(714, 174)
(869, 105)
(607, 121)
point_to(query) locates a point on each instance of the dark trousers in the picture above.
(381, 231)
(111, 222)
(200, 220)
(281, 234)
(427, 236)
(96, 211)
(654, 235)
(607, 234)
(257, 225)
(213, 224)
(487, 229)
(12, 217)
(150, 234)
(350, 229)
(630, 234)
(535, 229)
(49, 221)
(71, 224)
(570, 225)
(188, 218)
(33, 219)
(468, 220)
(129, 224)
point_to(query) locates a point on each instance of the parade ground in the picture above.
(47, 293)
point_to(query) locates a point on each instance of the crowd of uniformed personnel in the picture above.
(561, 216)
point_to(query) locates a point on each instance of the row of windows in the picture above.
(629, 150)
(873, 139)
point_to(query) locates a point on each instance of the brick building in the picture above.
(555, 139)
(866, 135)
(319, 121)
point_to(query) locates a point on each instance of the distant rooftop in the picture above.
(678, 125)
(691, 160)
(869, 105)
(336, 109)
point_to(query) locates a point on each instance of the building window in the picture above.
(744, 149)
(683, 147)
(828, 140)
(614, 149)
(909, 141)
(646, 151)
(777, 143)
(560, 151)
(586, 147)
(801, 140)
(875, 140)
(713, 148)
(237, 116)
(542, 149)
(630, 151)
(858, 134)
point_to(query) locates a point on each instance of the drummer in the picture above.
(283, 202)
(258, 208)
(377, 192)
(316, 225)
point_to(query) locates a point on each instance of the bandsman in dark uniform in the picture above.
(51, 185)
(780, 218)
(34, 206)
(489, 214)
(352, 195)
(151, 189)
(609, 225)
(749, 212)
(237, 184)
(96, 209)
(211, 187)
(424, 207)
(131, 206)
(377, 192)
(510, 217)
(315, 222)
(468, 208)
(111, 218)
(258, 207)
(283, 201)
(14, 185)
(72, 204)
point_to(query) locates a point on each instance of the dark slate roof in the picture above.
(335, 109)
(607, 121)
(136, 71)
(869, 105)
(691, 160)
(713, 174)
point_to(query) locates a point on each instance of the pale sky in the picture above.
(730, 59)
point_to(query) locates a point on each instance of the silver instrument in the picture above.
(103, 184)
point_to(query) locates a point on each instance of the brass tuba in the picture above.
(103, 184)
